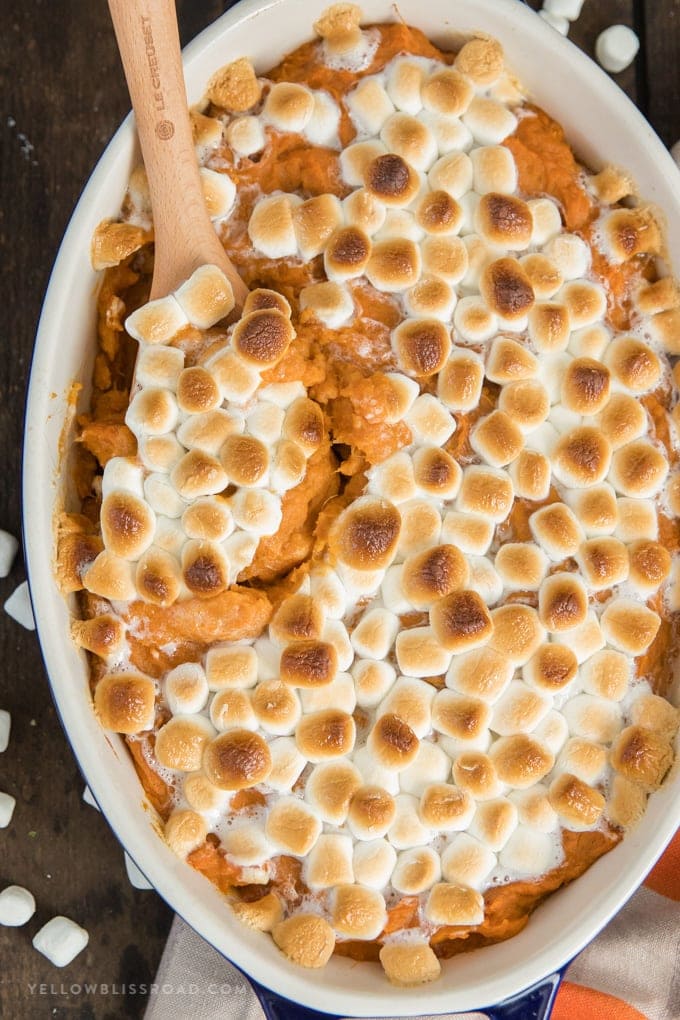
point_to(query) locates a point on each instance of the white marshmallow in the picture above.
(527, 851)
(494, 169)
(494, 822)
(123, 473)
(333, 849)
(18, 606)
(373, 862)
(246, 844)
(288, 107)
(186, 689)
(170, 535)
(407, 830)
(552, 731)
(484, 579)
(89, 799)
(7, 805)
(339, 693)
(593, 717)
(287, 764)
(219, 192)
(570, 254)
(245, 136)
(322, 127)
(450, 134)
(372, 680)
(561, 25)
(152, 412)
(17, 906)
(257, 511)
(369, 106)
(135, 876)
(393, 479)
(282, 394)
(60, 940)
(335, 632)
(616, 48)
(240, 549)
(547, 220)
(374, 635)
(329, 593)
(373, 773)
(162, 496)
(8, 550)
(431, 765)
(429, 421)
(569, 9)
(331, 303)
(467, 861)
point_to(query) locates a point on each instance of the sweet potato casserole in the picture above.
(378, 579)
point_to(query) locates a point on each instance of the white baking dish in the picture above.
(603, 126)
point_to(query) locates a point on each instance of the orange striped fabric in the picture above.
(664, 878)
(576, 1002)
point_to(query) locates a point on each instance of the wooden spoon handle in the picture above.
(148, 40)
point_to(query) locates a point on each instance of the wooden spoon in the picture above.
(148, 41)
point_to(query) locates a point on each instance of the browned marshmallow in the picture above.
(509, 361)
(408, 964)
(391, 179)
(306, 939)
(205, 569)
(474, 773)
(461, 621)
(347, 254)
(520, 760)
(292, 826)
(578, 805)
(128, 524)
(104, 634)
(607, 674)
(483, 673)
(199, 474)
(308, 663)
(650, 564)
(244, 459)
(262, 337)
(581, 457)
(184, 832)
(124, 702)
(447, 92)
(544, 275)
(638, 469)
(549, 326)
(526, 402)
(421, 345)
(481, 60)
(371, 812)
(304, 425)
(429, 575)
(622, 420)
(517, 632)
(485, 491)
(197, 391)
(262, 914)
(234, 86)
(562, 602)
(276, 706)
(506, 222)
(446, 257)
(454, 904)
(158, 578)
(436, 473)
(629, 626)
(439, 213)
(460, 381)
(652, 712)
(365, 535)
(497, 439)
(237, 759)
(596, 509)
(315, 221)
(630, 232)
(393, 743)
(326, 734)
(603, 562)
(633, 364)
(642, 756)
(459, 716)
(298, 617)
(586, 386)
(557, 530)
(394, 265)
(521, 565)
(552, 668)
(445, 807)
(530, 475)
(357, 912)
(180, 743)
(262, 298)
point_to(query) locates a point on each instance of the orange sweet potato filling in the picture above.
(348, 382)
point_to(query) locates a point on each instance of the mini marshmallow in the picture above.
(330, 787)
(407, 830)
(467, 861)
(19, 607)
(544, 276)
(181, 741)
(578, 805)
(288, 107)
(636, 520)
(474, 321)
(589, 342)
(236, 379)
(519, 710)
(445, 257)
(638, 469)
(287, 764)
(410, 699)
(509, 361)
(471, 533)
(616, 48)
(521, 566)
(159, 453)
(322, 127)
(534, 808)
(452, 174)
(245, 136)
(628, 626)
(422, 347)
(494, 170)
(152, 412)
(355, 159)
(421, 527)
(552, 731)
(530, 475)
(489, 121)
(570, 255)
(339, 693)
(60, 940)
(622, 420)
(17, 906)
(157, 322)
(431, 765)
(373, 862)
(207, 296)
(186, 689)
(373, 772)
(219, 193)
(136, 878)
(162, 496)
(483, 673)
(257, 511)
(7, 805)
(593, 717)
(556, 529)
(372, 680)
(606, 674)
(231, 666)
(375, 633)
(271, 227)
(329, 862)
(527, 852)
(292, 826)
(8, 550)
(446, 91)
(497, 439)
(404, 80)
(400, 223)
(315, 220)
(364, 210)
(369, 106)
(411, 139)
(494, 823)
(560, 24)
(429, 421)
(416, 870)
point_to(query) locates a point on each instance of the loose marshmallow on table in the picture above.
(5, 726)
(60, 940)
(8, 550)
(7, 805)
(17, 906)
(18, 606)
(568, 9)
(560, 24)
(89, 799)
(137, 879)
(616, 48)
(675, 152)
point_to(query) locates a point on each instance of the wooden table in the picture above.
(64, 96)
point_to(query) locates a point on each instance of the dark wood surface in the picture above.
(63, 96)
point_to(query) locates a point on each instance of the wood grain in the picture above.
(64, 95)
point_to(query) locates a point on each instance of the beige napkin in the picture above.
(631, 971)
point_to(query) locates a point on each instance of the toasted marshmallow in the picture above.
(245, 845)
(544, 275)
(508, 361)
(655, 713)
(157, 322)
(355, 159)
(518, 710)
(526, 402)
(390, 179)
(534, 808)
(452, 174)
(152, 412)
(552, 668)
(128, 524)
(484, 579)
(581, 457)
(297, 618)
(180, 743)
(159, 367)
(593, 717)
(603, 562)
(400, 224)
(186, 689)
(326, 734)
(436, 473)
(374, 773)
(627, 802)
(460, 380)
(469, 532)
(438, 213)
(207, 296)
(521, 760)
(489, 121)
(322, 127)
(638, 469)
(329, 302)
(372, 680)
(373, 863)
(257, 511)
(586, 302)
(237, 759)
(103, 634)
(546, 219)
(409, 700)
(369, 106)
(494, 823)
(371, 812)
(124, 702)
(552, 731)
(399, 396)
(199, 474)
(517, 632)
(416, 870)
(431, 764)
(606, 674)
(123, 474)
(521, 565)
(219, 194)
(629, 626)
(205, 568)
(485, 491)
(578, 805)
(262, 337)
(161, 453)
(234, 86)
(445, 257)
(245, 461)
(277, 708)
(407, 830)
(527, 852)
(271, 227)
(392, 741)
(460, 622)
(184, 832)
(287, 764)
(111, 577)
(445, 807)
(292, 826)
(450, 133)
(197, 391)
(347, 254)
(586, 386)
(625, 233)
(429, 421)
(650, 565)
(459, 716)
(265, 421)
(340, 693)
(162, 495)
(358, 913)
(404, 80)
(362, 209)
(410, 138)
(236, 379)
(549, 326)
(589, 342)
(436, 572)
(556, 529)
(201, 795)
(570, 255)
(245, 136)
(562, 602)
(505, 221)
(467, 861)
(375, 633)
(497, 438)
(365, 535)
(308, 663)
(642, 756)
(394, 265)
(634, 366)
(637, 520)
(329, 863)
(446, 92)
(232, 708)
(474, 320)
(231, 666)
(306, 939)
(288, 106)
(206, 432)
(314, 222)
(329, 789)
(481, 60)
(421, 345)
(585, 639)
(494, 170)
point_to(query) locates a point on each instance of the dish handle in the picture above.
(535, 1003)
